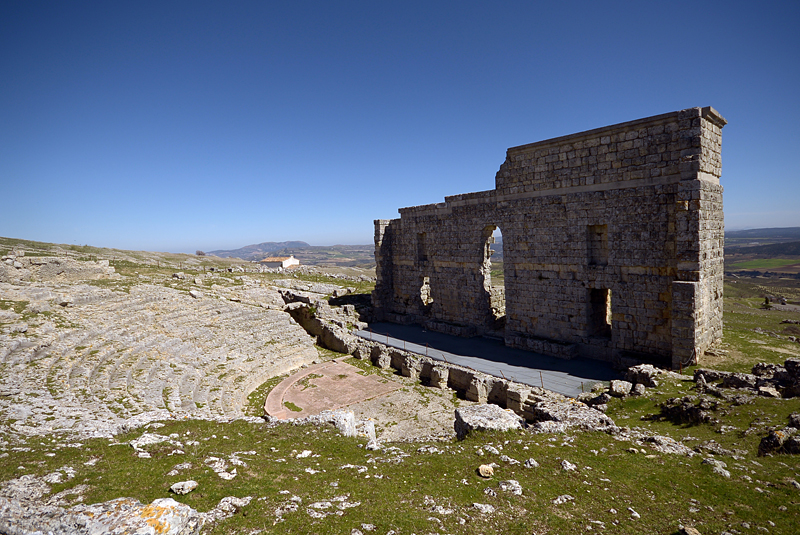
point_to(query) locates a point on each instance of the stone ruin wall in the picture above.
(612, 246)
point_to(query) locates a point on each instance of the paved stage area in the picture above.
(325, 386)
(491, 356)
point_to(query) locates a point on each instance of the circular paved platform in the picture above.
(325, 386)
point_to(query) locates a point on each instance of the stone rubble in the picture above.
(183, 487)
(769, 380)
(483, 418)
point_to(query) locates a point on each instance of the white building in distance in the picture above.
(280, 262)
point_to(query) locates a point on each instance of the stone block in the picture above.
(439, 376)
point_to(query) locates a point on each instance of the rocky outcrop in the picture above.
(786, 440)
(123, 515)
(769, 380)
(558, 417)
(485, 417)
(689, 409)
(14, 268)
(330, 325)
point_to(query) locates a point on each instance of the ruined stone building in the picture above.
(612, 246)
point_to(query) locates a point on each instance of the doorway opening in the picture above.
(492, 270)
(600, 313)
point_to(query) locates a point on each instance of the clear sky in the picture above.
(177, 126)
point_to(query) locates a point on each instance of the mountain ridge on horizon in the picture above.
(249, 252)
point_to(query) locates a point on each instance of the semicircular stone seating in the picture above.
(156, 348)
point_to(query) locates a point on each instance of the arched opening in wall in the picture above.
(493, 276)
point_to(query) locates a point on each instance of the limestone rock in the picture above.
(718, 467)
(184, 487)
(794, 420)
(774, 442)
(512, 486)
(620, 389)
(343, 420)
(484, 508)
(739, 380)
(768, 391)
(669, 445)
(439, 376)
(557, 417)
(792, 366)
(689, 409)
(484, 417)
(643, 374)
(122, 515)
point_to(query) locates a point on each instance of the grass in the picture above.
(401, 487)
(292, 407)
(17, 306)
(763, 263)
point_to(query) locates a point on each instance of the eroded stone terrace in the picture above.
(90, 361)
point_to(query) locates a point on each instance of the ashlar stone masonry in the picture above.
(612, 246)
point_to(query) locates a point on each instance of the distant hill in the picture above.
(761, 236)
(334, 255)
(775, 249)
(259, 250)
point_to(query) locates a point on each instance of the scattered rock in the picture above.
(597, 401)
(531, 463)
(643, 374)
(564, 498)
(668, 445)
(184, 487)
(558, 417)
(717, 466)
(794, 420)
(739, 380)
(711, 446)
(775, 441)
(620, 389)
(689, 409)
(483, 418)
(511, 486)
(485, 470)
(768, 391)
(484, 508)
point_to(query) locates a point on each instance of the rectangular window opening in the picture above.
(598, 245)
(422, 254)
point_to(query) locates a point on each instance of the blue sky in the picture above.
(178, 126)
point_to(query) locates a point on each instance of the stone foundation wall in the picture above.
(612, 246)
